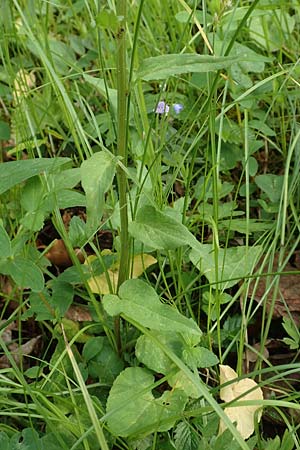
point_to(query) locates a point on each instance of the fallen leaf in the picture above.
(287, 295)
(242, 415)
(99, 284)
(78, 314)
(59, 256)
(19, 351)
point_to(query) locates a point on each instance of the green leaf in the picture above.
(132, 409)
(70, 199)
(139, 302)
(4, 131)
(62, 296)
(5, 245)
(152, 356)
(271, 185)
(164, 66)
(26, 439)
(14, 172)
(103, 361)
(159, 230)
(107, 93)
(97, 174)
(199, 357)
(4, 441)
(77, 232)
(25, 273)
(233, 263)
(32, 194)
(40, 306)
(273, 30)
(33, 220)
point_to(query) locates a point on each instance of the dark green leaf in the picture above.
(4, 131)
(14, 172)
(25, 273)
(5, 245)
(233, 263)
(138, 301)
(159, 230)
(164, 66)
(97, 174)
(133, 410)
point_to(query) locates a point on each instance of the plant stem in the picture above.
(122, 87)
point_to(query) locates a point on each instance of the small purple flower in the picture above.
(177, 107)
(162, 108)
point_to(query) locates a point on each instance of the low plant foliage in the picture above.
(149, 230)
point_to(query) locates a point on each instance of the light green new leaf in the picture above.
(14, 172)
(97, 174)
(133, 410)
(233, 263)
(164, 66)
(25, 273)
(138, 301)
(159, 230)
(5, 246)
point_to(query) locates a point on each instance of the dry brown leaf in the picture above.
(288, 293)
(59, 256)
(78, 314)
(18, 352)
(242, 415)
(99, 284)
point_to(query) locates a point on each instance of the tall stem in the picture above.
(122, 87)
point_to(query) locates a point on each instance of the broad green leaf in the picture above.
(33, 220)
(159, 230)
(138, 301)
(4, 441)
(14, 172)
(28, 438)
(32, 194)
(233, 263)
(199, 357)
(77, 232)
(273, 30)
(4, 131)
(70, 199)
(179, 380)
(67, 179)
(164, 66)
(271, 185)
(25, 273)
(97, 174)
(102, 360)
(152, 356)
(133, 410)
(40, 306)
(5, 246)
(241, 226)
(62, 296)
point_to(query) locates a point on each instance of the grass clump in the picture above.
(149, 233)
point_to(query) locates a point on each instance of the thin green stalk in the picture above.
(122, 87)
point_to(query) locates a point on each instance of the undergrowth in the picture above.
(149, 231)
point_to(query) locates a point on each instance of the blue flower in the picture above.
(162, 108)
(178, 107)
